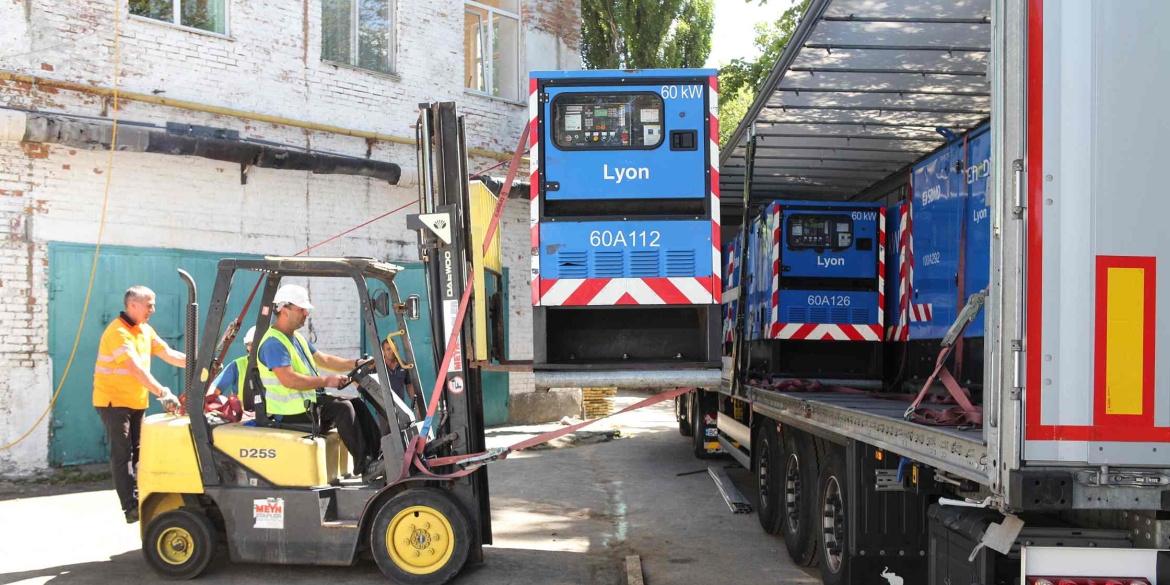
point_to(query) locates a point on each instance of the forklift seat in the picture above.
(254, 395)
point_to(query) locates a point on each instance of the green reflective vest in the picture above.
(241, 369)
(282, 400)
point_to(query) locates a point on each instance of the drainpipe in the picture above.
(17, 126)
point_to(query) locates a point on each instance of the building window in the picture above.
(359, 33)
(208, 15)
(491, 47)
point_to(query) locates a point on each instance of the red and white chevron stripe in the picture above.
(921, 313)
(823, 332)
(713, 163)
(901, 330)
(568, 292)
(534, 182)
(730, 295)
(881, 267)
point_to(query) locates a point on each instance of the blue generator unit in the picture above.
(815, 292)
(943, 256)
(626, 255)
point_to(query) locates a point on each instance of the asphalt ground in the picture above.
(564, 515)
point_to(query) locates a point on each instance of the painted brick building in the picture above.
(336, 76)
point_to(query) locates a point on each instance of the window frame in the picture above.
(355, 40)
(176, 20)
(488, 67)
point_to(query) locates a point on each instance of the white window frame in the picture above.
(177, 19)
(488, 67)
(355, 40)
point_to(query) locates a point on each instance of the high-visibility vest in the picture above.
(282, 400)
(241, 368)
(113, 384)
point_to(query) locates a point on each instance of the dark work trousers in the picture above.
(123, 429)
(339, 413)
(371, 428)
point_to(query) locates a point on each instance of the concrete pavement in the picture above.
(567, 515)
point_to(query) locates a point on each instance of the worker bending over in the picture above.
(122, 384)
(290, 370)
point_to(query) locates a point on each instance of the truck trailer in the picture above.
(1019, 431)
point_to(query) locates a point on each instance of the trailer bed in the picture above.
(878, 422)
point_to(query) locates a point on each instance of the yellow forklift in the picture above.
(279, 493)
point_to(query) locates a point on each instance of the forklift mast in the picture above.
(445, 239)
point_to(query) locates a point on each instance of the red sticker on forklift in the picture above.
(455, 384)
(268, 513)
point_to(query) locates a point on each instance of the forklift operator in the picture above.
(289, 370)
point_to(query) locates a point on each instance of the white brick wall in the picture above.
(269, 66)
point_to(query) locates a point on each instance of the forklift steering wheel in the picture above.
(364, 367)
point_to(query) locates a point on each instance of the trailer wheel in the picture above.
(420, 537)
(702, 404)
(179, 544)
(801, 515)
(681, 413)
(769, 477)
(834, 546)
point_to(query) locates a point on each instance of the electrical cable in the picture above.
(98, 247)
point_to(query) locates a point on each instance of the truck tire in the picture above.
(769, 453)
(681, 412)
(801, 516)
(702, 404)
(831, 499)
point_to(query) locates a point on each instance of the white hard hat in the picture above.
(293, 295)
(250, 335)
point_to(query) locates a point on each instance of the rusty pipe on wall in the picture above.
(20, 126)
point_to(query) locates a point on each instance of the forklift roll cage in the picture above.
(274, 270)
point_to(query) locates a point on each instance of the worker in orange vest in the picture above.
(122, 384)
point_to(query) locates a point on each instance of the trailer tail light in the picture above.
(1087, 581)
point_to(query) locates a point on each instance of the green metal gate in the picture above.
(76, 434)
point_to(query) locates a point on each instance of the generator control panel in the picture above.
(607, 120)
(820, 231)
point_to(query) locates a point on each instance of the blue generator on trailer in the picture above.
(625, 224)
(943, 257)
(815, 298)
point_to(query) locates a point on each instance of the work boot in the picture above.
(132, 515)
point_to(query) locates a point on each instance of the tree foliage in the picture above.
(646, 34)
(740, 80)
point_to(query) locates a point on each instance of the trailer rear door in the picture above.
(1097, 385)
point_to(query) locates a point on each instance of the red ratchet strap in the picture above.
(816, 386)
(965, 414)
(495, 454)
(448, 354)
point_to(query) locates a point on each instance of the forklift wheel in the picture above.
(179, 544)
(420, 537)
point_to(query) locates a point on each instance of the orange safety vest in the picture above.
(113, 384)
